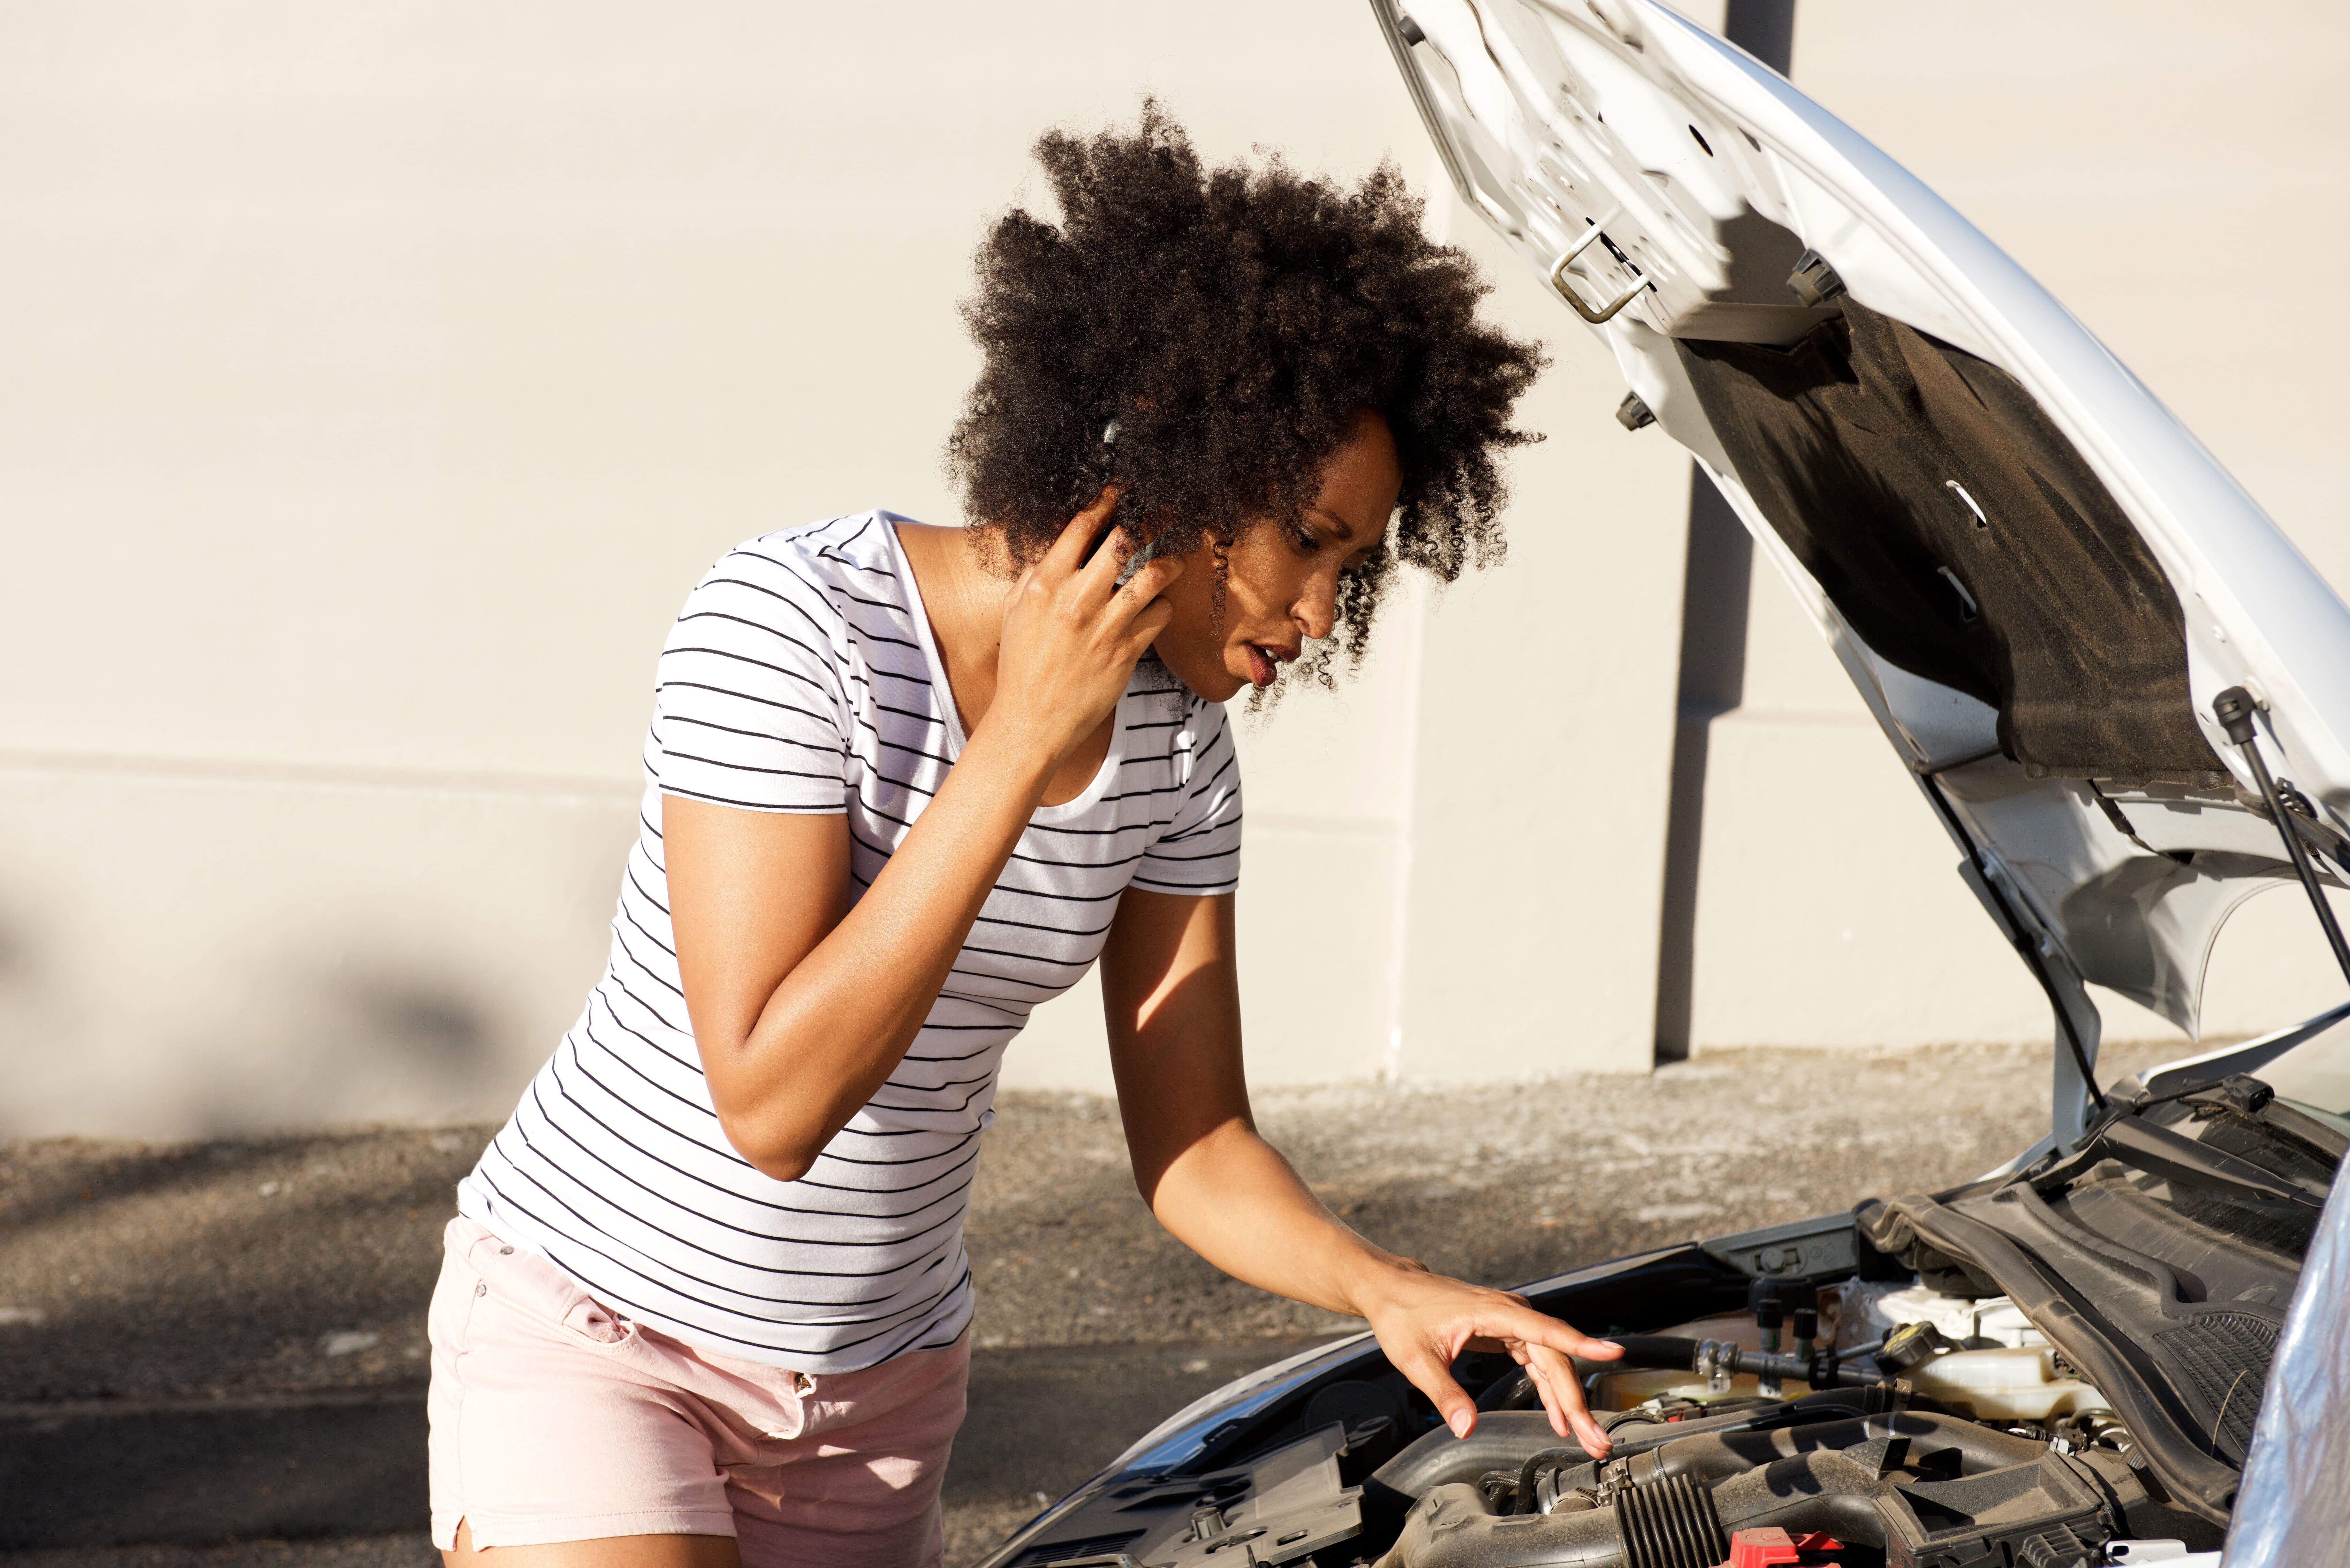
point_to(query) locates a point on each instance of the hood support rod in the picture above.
(2234, 709)
(2018, 934)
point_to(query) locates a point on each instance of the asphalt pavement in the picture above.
(214, 1352)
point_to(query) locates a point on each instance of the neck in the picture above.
(964, 599)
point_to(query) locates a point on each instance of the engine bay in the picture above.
(1928, 1431)
(2059, 1365)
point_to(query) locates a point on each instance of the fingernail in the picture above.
(1461, 1420)
(1609, 1345)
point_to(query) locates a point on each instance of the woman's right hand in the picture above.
(1071, 637)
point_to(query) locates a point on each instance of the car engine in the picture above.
(1922, 1450)
(1874, 1423)
(2059, 1364)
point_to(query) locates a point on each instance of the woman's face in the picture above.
(1283, 586)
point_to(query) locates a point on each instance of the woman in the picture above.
(706, 1300)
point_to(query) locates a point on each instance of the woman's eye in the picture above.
(1303, 538)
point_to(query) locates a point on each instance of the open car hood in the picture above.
(2038, 580)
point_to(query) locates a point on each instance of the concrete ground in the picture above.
(239, 1312)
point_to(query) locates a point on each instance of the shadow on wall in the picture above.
(387, 1041)
(313, 1034)
(37, 1047)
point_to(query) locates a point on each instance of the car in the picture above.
(2125, 697)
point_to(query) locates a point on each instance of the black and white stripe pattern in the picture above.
(801, 678)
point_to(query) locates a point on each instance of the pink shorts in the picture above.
(554, 1420)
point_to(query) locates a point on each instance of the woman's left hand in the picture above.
(1425, 1321)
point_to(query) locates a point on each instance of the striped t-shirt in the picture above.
(801, 677)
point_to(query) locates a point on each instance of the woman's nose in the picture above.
(1317, 607)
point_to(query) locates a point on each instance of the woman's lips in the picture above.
(1266, 661)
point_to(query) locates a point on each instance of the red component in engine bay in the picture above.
(1765, 1547)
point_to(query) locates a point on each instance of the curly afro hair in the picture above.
(1207, 338)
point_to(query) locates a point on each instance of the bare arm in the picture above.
(1171, 1000)
(799, 1012)
(802, 1011)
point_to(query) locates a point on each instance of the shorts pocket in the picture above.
(596, 1324)
(534, 1288)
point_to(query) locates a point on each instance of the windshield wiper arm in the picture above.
(2174, 1156)
(2121, 1134)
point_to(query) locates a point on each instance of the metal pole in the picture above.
(1716, 580)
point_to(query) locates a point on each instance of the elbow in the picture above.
(788, 1166)
(784, 1162)
(770, 1152)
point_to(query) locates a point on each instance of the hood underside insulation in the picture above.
(1964, 538)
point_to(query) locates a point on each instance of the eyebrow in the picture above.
(1346, 529)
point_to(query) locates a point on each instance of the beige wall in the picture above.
(374, 379)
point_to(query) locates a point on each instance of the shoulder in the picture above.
(1170, 719)
(1160, 707)
(824, 577)
(838, 557)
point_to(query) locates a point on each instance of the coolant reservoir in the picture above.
(2020, 1384)
(1960, 1317)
